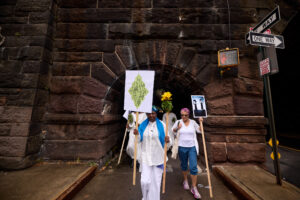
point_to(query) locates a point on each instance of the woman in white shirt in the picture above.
(172, 120)
(188, 150)
(151, 136)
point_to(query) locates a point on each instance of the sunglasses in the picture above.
(184, 115)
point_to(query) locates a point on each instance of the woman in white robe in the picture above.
(151, 135)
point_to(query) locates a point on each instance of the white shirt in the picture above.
(187, 134)
(152, 150)
(172, 120)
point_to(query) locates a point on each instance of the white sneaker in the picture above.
(195, 192)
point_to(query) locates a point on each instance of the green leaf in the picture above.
(167, 106)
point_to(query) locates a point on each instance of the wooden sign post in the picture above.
(138, 97)
(206, 160)
(167, 106)
(135, 148)
(122, 145)
(165, 155)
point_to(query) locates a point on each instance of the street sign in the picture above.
(268, 31)
(264, 67)
(266, 40)
(269, 21)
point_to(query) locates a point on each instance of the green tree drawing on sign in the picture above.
(138, 91)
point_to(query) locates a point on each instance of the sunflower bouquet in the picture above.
(166, 104)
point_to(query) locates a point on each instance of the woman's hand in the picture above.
(179, 126)
(135, 132)
(200, 119)
(167, 139)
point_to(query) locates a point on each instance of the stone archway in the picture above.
(93, 100)
(84, 104)
(60, 58)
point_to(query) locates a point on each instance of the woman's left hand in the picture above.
(167, 139)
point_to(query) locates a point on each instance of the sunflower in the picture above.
(166, 104)
(166, 96)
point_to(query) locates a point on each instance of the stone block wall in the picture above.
(25, 57)
(235, 131)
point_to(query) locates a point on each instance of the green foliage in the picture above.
(167, 106)
(130, 118)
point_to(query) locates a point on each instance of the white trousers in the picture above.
(151, 182)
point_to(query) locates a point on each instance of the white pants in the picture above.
(151, 182)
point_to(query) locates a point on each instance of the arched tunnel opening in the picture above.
(284, 87)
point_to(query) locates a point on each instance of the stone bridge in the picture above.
(63, 63)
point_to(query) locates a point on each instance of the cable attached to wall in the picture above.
(228, 58)
(229, 24)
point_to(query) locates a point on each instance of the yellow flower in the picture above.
(166, 96)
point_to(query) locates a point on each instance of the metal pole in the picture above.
(272, 123)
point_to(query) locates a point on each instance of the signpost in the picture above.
(257, 38)
(272, 127)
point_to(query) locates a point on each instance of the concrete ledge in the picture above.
(71, 190)
(254, 183)
(59, 181)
